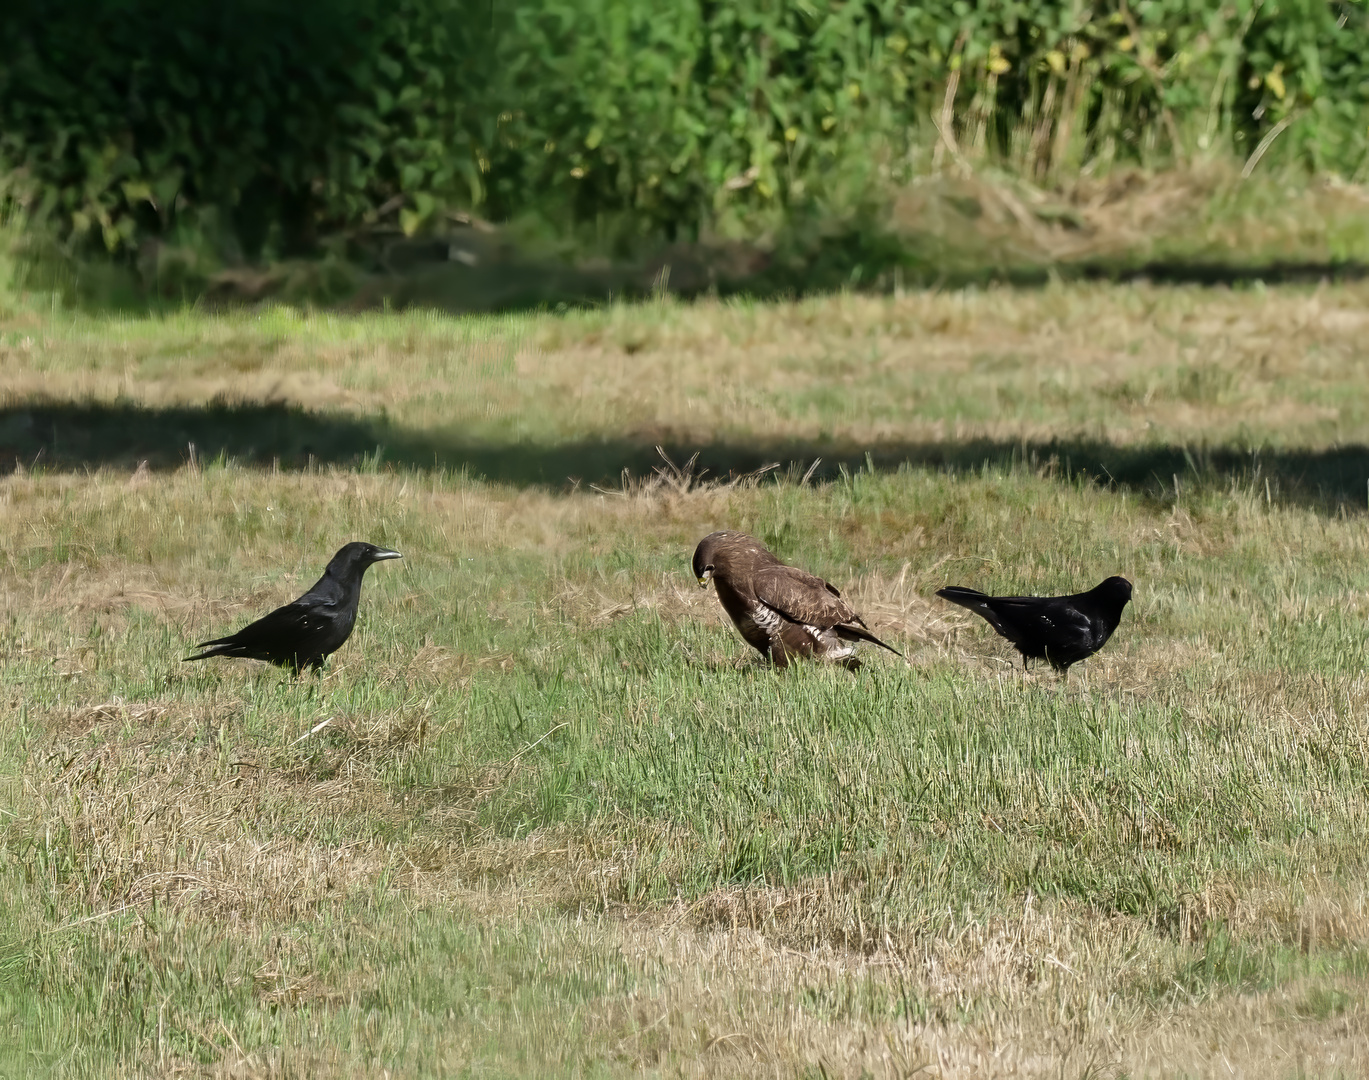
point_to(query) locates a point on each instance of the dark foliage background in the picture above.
(265, 126)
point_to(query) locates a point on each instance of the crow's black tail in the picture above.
(217, 647)
(982, 604)
(958, 594)
(204, 655)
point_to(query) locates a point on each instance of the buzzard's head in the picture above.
(703, 560)
(706, 555)
(729, 553)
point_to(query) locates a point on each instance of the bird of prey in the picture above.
(781, 610)
(1059, 629)
(303, 634)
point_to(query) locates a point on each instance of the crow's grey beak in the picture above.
(382, 554)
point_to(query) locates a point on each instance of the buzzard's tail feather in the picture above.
(852, 632)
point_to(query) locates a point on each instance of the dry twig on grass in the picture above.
(675, 479)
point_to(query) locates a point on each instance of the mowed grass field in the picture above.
(544, 815)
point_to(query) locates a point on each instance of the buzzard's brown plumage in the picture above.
(781, 610)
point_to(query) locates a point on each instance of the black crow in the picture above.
(1060, 629)
(781, 610)
(303, 634)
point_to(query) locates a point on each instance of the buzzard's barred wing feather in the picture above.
(802, 597)
(806, 599)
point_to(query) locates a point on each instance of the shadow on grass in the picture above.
(687, 274)
(470, 270)
(66, 436)
(430, 276)
(458, 290)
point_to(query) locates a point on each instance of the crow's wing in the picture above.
(284, 629)
(1049, 622)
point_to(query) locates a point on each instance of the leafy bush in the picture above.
(718, 111)
(270, 125)
(263, 121)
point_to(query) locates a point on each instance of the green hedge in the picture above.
(270, 124)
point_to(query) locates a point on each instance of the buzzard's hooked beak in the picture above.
(703, 578)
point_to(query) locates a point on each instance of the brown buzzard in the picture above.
(781, 610)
